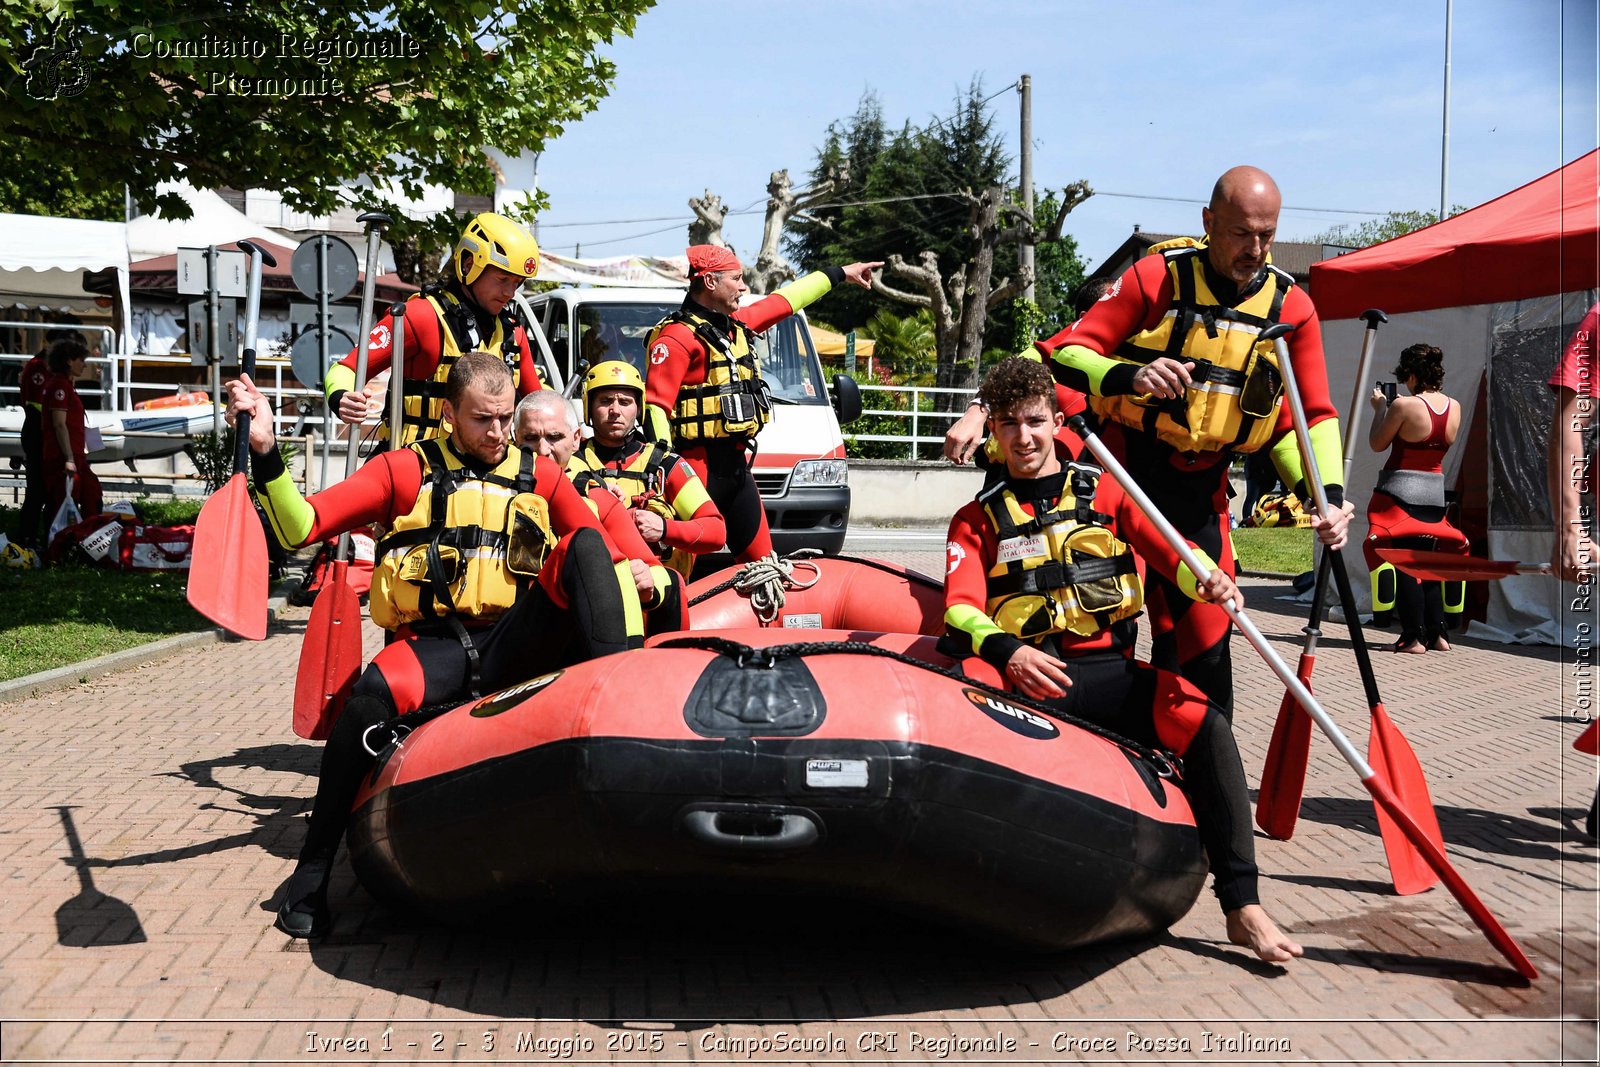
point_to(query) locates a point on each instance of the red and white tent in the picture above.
(1498, 288)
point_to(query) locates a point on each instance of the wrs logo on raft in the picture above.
(1017, 720)
(507, 699)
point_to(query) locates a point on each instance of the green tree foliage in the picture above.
(901, 192)
(1375, 231)
(294, 97)
(904, 343)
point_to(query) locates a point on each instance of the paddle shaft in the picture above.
(1369, 342)
(369, 286)
(1319, 493)
(1381, 793)
(247, 363)
(397, 374)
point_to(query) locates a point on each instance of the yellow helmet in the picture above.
(613, 373)
(495, 240)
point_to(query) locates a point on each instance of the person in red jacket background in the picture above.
(65, 430)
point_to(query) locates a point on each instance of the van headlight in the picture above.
(818, 472)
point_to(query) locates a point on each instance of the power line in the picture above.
(1286, 207)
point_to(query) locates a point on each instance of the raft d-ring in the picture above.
(397, 734)
(761, 658)
(1166, 766)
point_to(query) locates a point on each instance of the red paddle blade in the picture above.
(1589, 740)
(1396, 766)
(1434, 856)
(330, 657)
(228, 568)
(1451, 567)
(1283, 776)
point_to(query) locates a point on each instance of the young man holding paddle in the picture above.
(1043, 586)
(1170, 361)
(494, 571)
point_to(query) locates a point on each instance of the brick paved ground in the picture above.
(179, 788)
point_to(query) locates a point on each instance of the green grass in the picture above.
(68, 614)
(1274, 549)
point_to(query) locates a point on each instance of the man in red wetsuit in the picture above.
(1172, 370)
(1568, 460)
(494, 571)
(545, 424)
(471, 310)
(1043, 586)
(703, 385)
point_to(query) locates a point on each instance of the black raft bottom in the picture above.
(780, 828)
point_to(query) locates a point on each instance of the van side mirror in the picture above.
(846, 399)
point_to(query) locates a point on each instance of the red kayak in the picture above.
(785, 766)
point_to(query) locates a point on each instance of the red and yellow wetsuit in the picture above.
(441, 323)
(679, 366)
(1191, 486)
(1110, 688)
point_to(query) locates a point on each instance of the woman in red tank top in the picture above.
(1407, 509)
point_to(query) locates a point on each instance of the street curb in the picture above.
(34, 685)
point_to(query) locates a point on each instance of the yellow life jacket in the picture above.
(733, 401)
(1061, 570)
(639, 483)
(422, 407)
(1236, 390)
(1277, 509)
(468, 546)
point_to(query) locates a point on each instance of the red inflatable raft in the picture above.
(779, 763)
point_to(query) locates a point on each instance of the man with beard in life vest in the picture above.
(494, 571)
(1043, 586)
(545, 424)
(1171, 365)
(666, 499)
(471, 310)
(706, 398)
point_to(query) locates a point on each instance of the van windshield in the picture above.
(618, 331)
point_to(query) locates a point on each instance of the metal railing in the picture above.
(910, 409)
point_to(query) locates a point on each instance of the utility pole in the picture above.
(1444, 152)
(1025, 253)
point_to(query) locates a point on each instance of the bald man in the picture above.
(1169, 361)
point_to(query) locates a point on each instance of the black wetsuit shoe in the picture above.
(304, 911)
(308, 918)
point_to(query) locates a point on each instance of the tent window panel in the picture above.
(1526, 339)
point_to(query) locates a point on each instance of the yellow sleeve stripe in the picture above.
(632, 612)
(290, 514)
(1087, 362)
(1187, 581)
(690, 498)
(658, 420)
(339, 377)
(975, 624)
(806, 290)
(1327, 445)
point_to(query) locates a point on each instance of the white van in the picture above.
(799, 463)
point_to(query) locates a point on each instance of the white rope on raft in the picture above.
(764, 581)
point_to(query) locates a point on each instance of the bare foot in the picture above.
(1438, 644)
(1414, 648)
(1253, 928)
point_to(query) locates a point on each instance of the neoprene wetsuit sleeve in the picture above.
(1088, 371)
(1327, 445)
(290, 515)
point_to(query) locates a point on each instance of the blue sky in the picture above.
(1341, 102)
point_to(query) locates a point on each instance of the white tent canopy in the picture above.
(43, 259)
(215, 222)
